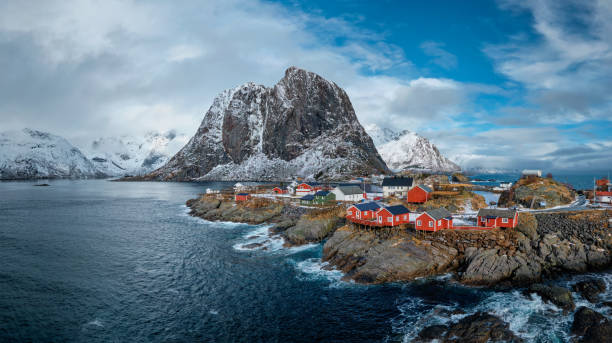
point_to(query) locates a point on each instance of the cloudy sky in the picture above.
(507, 84)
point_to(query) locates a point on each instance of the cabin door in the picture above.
(380, 219)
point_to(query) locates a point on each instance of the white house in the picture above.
(397, 186)
(348, 193)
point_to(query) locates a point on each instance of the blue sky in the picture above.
(494, 84)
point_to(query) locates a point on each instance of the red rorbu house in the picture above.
(418, 194)
(307, 188)
(279, 190)
(393, 215)
(492, 217)
(434, 220)
(242, 197)
(363, 211)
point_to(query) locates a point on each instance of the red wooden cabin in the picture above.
(418, 194)
(307, 188)
(434, 220)
(493, 217)
(279, 190)
(242, 197)
(393, 215)
(366, 210)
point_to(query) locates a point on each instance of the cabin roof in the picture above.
(496, 213)
(321, 193)
(350, 190)
(397, 209)
(242, 194)
(307, 197)
(425, 188)
(397, 182)
(367, 206)
(439, 213)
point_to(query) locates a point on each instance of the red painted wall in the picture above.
(497, 222)
(425, 219)
(242, 197)
(417, 195)
(387, 216)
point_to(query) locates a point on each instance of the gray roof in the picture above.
(349, 190)
(307, 197)
(425, 188)
(496, 213)
(367, 206)
(439, 213)
(397, 182)
(397, 209)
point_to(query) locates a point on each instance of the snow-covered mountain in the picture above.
(31, 154)
(303, 126)
(406, 150)
(134, 155)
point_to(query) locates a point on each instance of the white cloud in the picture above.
(566, 68)
(440, 56)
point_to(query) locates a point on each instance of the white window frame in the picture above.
(389, 219)
(418, 223)
(431, 223)
(505, 220)
(397, 218)
(440, 222)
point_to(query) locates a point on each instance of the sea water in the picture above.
(100, 261)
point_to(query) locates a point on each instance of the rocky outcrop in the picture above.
(308, 230)
(213, 209)
(534, 192)
(561, 297)
(365, 257)
(501, 258)
(303, 126)
(590, 289)
(591, 326)
(477, 328)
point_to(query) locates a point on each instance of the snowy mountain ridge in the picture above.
(406, 150)
(32, 154)
(134, 155)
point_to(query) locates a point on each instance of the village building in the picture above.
(393, 215)
(494, 217)
(364, 211)
(372, 192)
(307, 188)
(324, 197)
(396, 186)
(603, 191)
(527, 173)
(419, 194)
(307, 199)
(278, 190)
(434, 220)
(242, 197)
(352, 193)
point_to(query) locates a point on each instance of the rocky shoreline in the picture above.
(542, 247)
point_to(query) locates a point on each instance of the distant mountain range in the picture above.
(134, 155)
(304, 126)
(32, 154)
(406, 150)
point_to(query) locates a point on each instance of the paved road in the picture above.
(579, 205)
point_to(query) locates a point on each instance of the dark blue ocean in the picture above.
(99, 261)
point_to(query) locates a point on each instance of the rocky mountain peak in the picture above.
(302, 126)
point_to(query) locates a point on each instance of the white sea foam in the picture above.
(96, 322)
(313, 269)
(213, 312)
(260, 239)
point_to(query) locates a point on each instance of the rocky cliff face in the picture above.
(406, 150)
(31, 154)
(303, 126)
